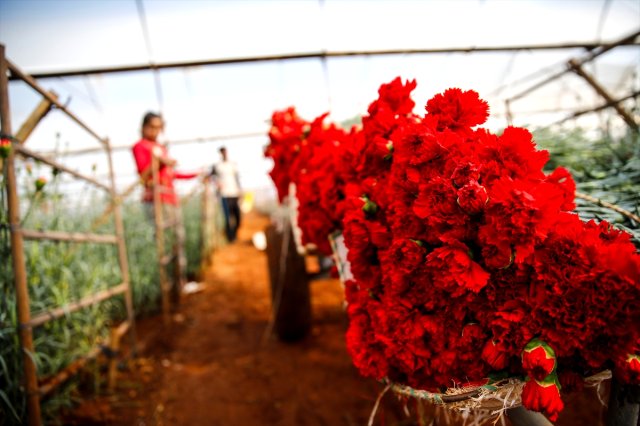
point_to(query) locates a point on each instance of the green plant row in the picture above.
(59, 273)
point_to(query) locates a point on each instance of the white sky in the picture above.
(49, 35)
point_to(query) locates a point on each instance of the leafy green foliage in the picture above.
(604, 167)
(59, 273)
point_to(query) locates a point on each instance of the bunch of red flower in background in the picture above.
(324, 171)
(317, 157)
(464, 252)
(286, 136)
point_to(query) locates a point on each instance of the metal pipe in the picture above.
(320, 55)
(85, 151)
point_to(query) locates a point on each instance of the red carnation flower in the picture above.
(628, 369)
(472, 198)
(465, 173)
(458, 110)
(396, 95)
(538, 359)
(496, 355)
(453, 268)
(543, 397)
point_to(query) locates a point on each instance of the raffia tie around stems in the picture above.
(495, 397)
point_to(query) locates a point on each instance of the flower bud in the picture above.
(40, 183)
(5, 147)
(543, 397)
(472, 198)
(538, 359)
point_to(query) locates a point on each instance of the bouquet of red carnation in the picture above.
(318, 159)
(323, 170)
(287, 132)
(467, 260)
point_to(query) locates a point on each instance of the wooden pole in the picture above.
(27, 127)
(114, 346)
(73, 237)
(157, 213)
(206, 219)
(122, 249)
(27, 152)
(15, 71)
(588, 58)
(177, 255)
(71, 370)
(17, 255)
(34, 118)
(596, 109)
(577, 68)
(74, 306)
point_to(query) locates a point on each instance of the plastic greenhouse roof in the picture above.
(238, 98)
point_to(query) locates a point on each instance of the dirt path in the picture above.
(215, 366)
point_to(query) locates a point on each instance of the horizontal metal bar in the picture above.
(316, 55)
(75, 237)
(170, 143)
(75, 306)
(36, 156)
(30, 80)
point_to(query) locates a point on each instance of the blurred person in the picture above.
(227, 179)
(143, 152)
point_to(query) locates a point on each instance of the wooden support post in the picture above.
(178, 255)
(577, 68)
(159, 232)
(122, 249)
(17, 255)
(114, 347)
(290, 294)
(36, 116)
(207, 229)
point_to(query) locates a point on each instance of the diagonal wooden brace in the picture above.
(577, 68)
